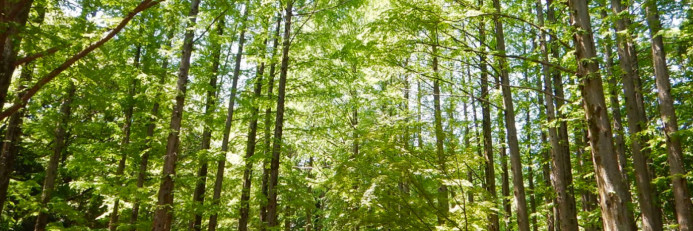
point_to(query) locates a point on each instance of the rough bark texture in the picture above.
(221, 164)
(164, 211)
(513, 145)
(682, 195)
(58, 149)
(612, 189)
(279, 121)
(637, 121)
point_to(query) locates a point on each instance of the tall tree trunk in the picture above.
(279, 121)
(268, 120)
(513, 145)
(164, 212)
(637, 121)
(149, 138)
(13, 134)
(612, 189)
(443, 204)
(486, 130)
(13, 18)
(505, 174)
(619, 143)
(129, 108)
(58, 149)
(250, 146)
(561, 168)
(682, 195)
(210, 107)
(221, 164)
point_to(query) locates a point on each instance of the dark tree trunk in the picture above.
(210, 107)
(58, 149)
(268, 120)
(149, 137)
(513, 145)
(250, 147)
(221, 164)
(129, 108)
(13, 18)
(279, 121)
(613, 191)
(682, 195)
(443, 204)
(164, 212)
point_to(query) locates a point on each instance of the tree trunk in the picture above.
(513, 146)
(129, 108)
(443, 204)
(268, 120)
(682, 195)
(279, 121)
(210, 107)
(637, 121)
(250, 147)
(13, 18)
(561, 168)
(486, 127)
(149, 137)
(613, 191)
(164, 214)
(221, 164)
(58, 149)
(505, 175)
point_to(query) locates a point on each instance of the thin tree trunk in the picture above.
(637, 121)
(279, 121)
(682, 195)
(561, 168)
(443, 203)
(613, 191)
(210, 107)
(221, 164)
(505, 175)
(268, 120)
(151, 126)
(250, 147)
(129, 108)
(513, 145)
(486, 130)
(164, 212)
(58, 149)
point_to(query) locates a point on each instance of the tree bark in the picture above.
(268, 120)
(612, 189)
(637, 121)
(129, 108)
(513, 145)
(561, 168)
(210, 107)
(13, 18)
(682, 195)
(279, 121)
(58, 149)
(149, 137)
(443, 204)
(250, 147)
(164, 212)
(221, 164)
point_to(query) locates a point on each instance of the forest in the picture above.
(310, 115)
